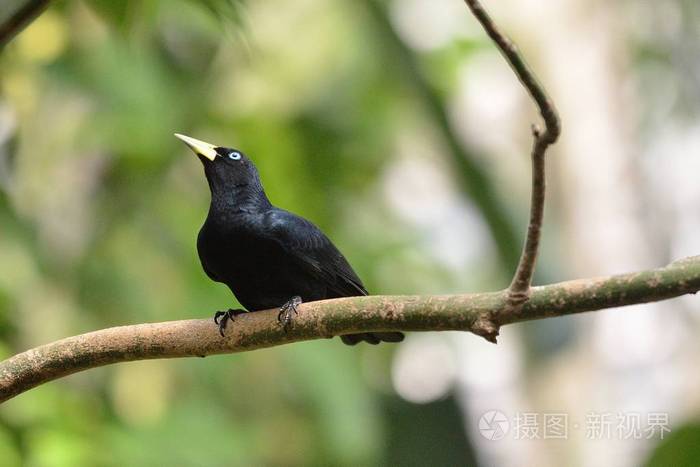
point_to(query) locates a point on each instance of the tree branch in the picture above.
(481, 313)
(22, 16)
(520, 286)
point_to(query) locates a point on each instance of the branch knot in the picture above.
(486, 327)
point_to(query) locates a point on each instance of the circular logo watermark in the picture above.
(493, 425)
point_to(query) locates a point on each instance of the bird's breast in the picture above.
(238, 255)
(257, 269)
(226, 251)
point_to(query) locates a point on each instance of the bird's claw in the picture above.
(223, 317)
(287, 311)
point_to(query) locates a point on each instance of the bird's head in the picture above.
(225, 168)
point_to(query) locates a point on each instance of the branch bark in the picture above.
(482, 314)
(520, 286)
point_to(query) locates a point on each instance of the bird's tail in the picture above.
(373, 338)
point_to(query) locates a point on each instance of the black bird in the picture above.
(267, 256)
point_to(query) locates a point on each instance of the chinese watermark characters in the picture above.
(495, 425)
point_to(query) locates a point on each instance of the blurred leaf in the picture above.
(680, 448)
(9, 452)
(227, 11)
(125, 15)
(113, 12)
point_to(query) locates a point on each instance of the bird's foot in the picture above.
(223, 317)
(287, 311)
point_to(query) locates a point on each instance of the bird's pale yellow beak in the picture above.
(199, 147)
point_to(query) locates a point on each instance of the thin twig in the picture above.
(519, 287)
(316, 320)
(24, 15)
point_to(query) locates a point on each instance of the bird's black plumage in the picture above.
(267, 256)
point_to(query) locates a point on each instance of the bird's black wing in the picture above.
(313, 252)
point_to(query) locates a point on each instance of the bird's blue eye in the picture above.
(234, 155)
